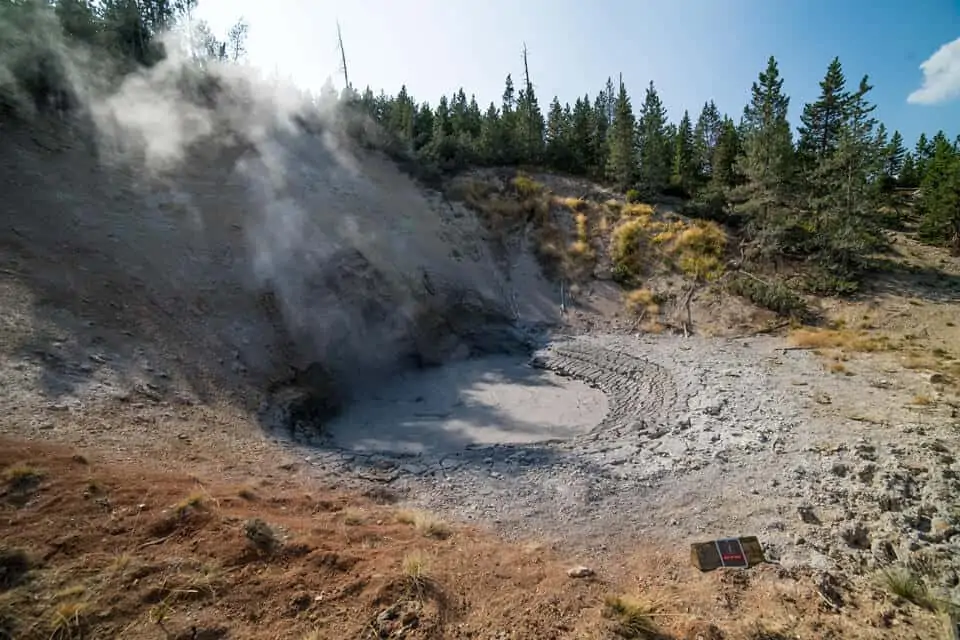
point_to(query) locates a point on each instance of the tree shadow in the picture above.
(894, 277)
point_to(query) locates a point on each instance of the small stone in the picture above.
(839, 469)
(941, 529)
(807, 514)
(949, 579)
(580, 572)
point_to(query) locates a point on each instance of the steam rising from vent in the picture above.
(344, 245)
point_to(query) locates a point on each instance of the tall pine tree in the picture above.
(652, 142)
(684, 172)
(767, 165)
(622, 157)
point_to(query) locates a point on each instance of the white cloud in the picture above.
(941, 76)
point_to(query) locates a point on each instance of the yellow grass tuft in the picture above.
(634, 618)
(636, 209)
(809, 338)
(21, 474)
(642, 301)
(838, 367)
(425, 523)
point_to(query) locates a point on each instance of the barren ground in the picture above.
(135, 349)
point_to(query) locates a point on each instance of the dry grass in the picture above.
(206, 573)
(425, 523)
(67, 620)
(353, 517)
(194, 501)
(634, 618)
(416, 572)
(838, 367)
(636, 209)
(640, 245)
(21, 475)
(856, 341)
(642, 302)
(922, 400)
(904, 583)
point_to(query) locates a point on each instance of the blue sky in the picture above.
(694, 50)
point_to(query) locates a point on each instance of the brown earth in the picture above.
(96, 549)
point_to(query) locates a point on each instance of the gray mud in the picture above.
(473, 402)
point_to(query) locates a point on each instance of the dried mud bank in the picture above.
(700, 438)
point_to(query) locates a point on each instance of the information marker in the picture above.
(729, 553)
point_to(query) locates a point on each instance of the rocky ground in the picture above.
(708, 438)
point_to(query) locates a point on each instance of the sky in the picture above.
(693, 50)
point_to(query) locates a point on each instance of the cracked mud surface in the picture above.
(702, 438)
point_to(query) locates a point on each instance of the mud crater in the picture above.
(465, 377)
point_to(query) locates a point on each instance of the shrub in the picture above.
(629, 248)
(642, 301)
(775, 295)
(526, 186)
(633, 196)
(700, 250)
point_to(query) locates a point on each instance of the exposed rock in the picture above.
(580, 572)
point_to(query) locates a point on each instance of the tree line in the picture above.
(822, 193)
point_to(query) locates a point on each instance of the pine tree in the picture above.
(654, 152)
(557, 151)
(725, 171)
(922, 153)
(401, 116)
(423, 126)
(684, 156)
(489, 139)
(909, 177)
(767, 165)
(622, 158)
(894, 157)
(847, 220)
(509, 151)
(822, 120)
(706, 136)
(585, 157)
(939, 204)
(601, 127)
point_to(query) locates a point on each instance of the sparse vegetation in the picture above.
(425, 523)
(634, 618)
(642, 302)
(773, 295)
(905, 583)
(857, 341)
(68, 619)
(194, 502)
(416, 572)
(21, 477)
(260, 535)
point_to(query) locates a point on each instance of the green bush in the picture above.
(774, 295)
